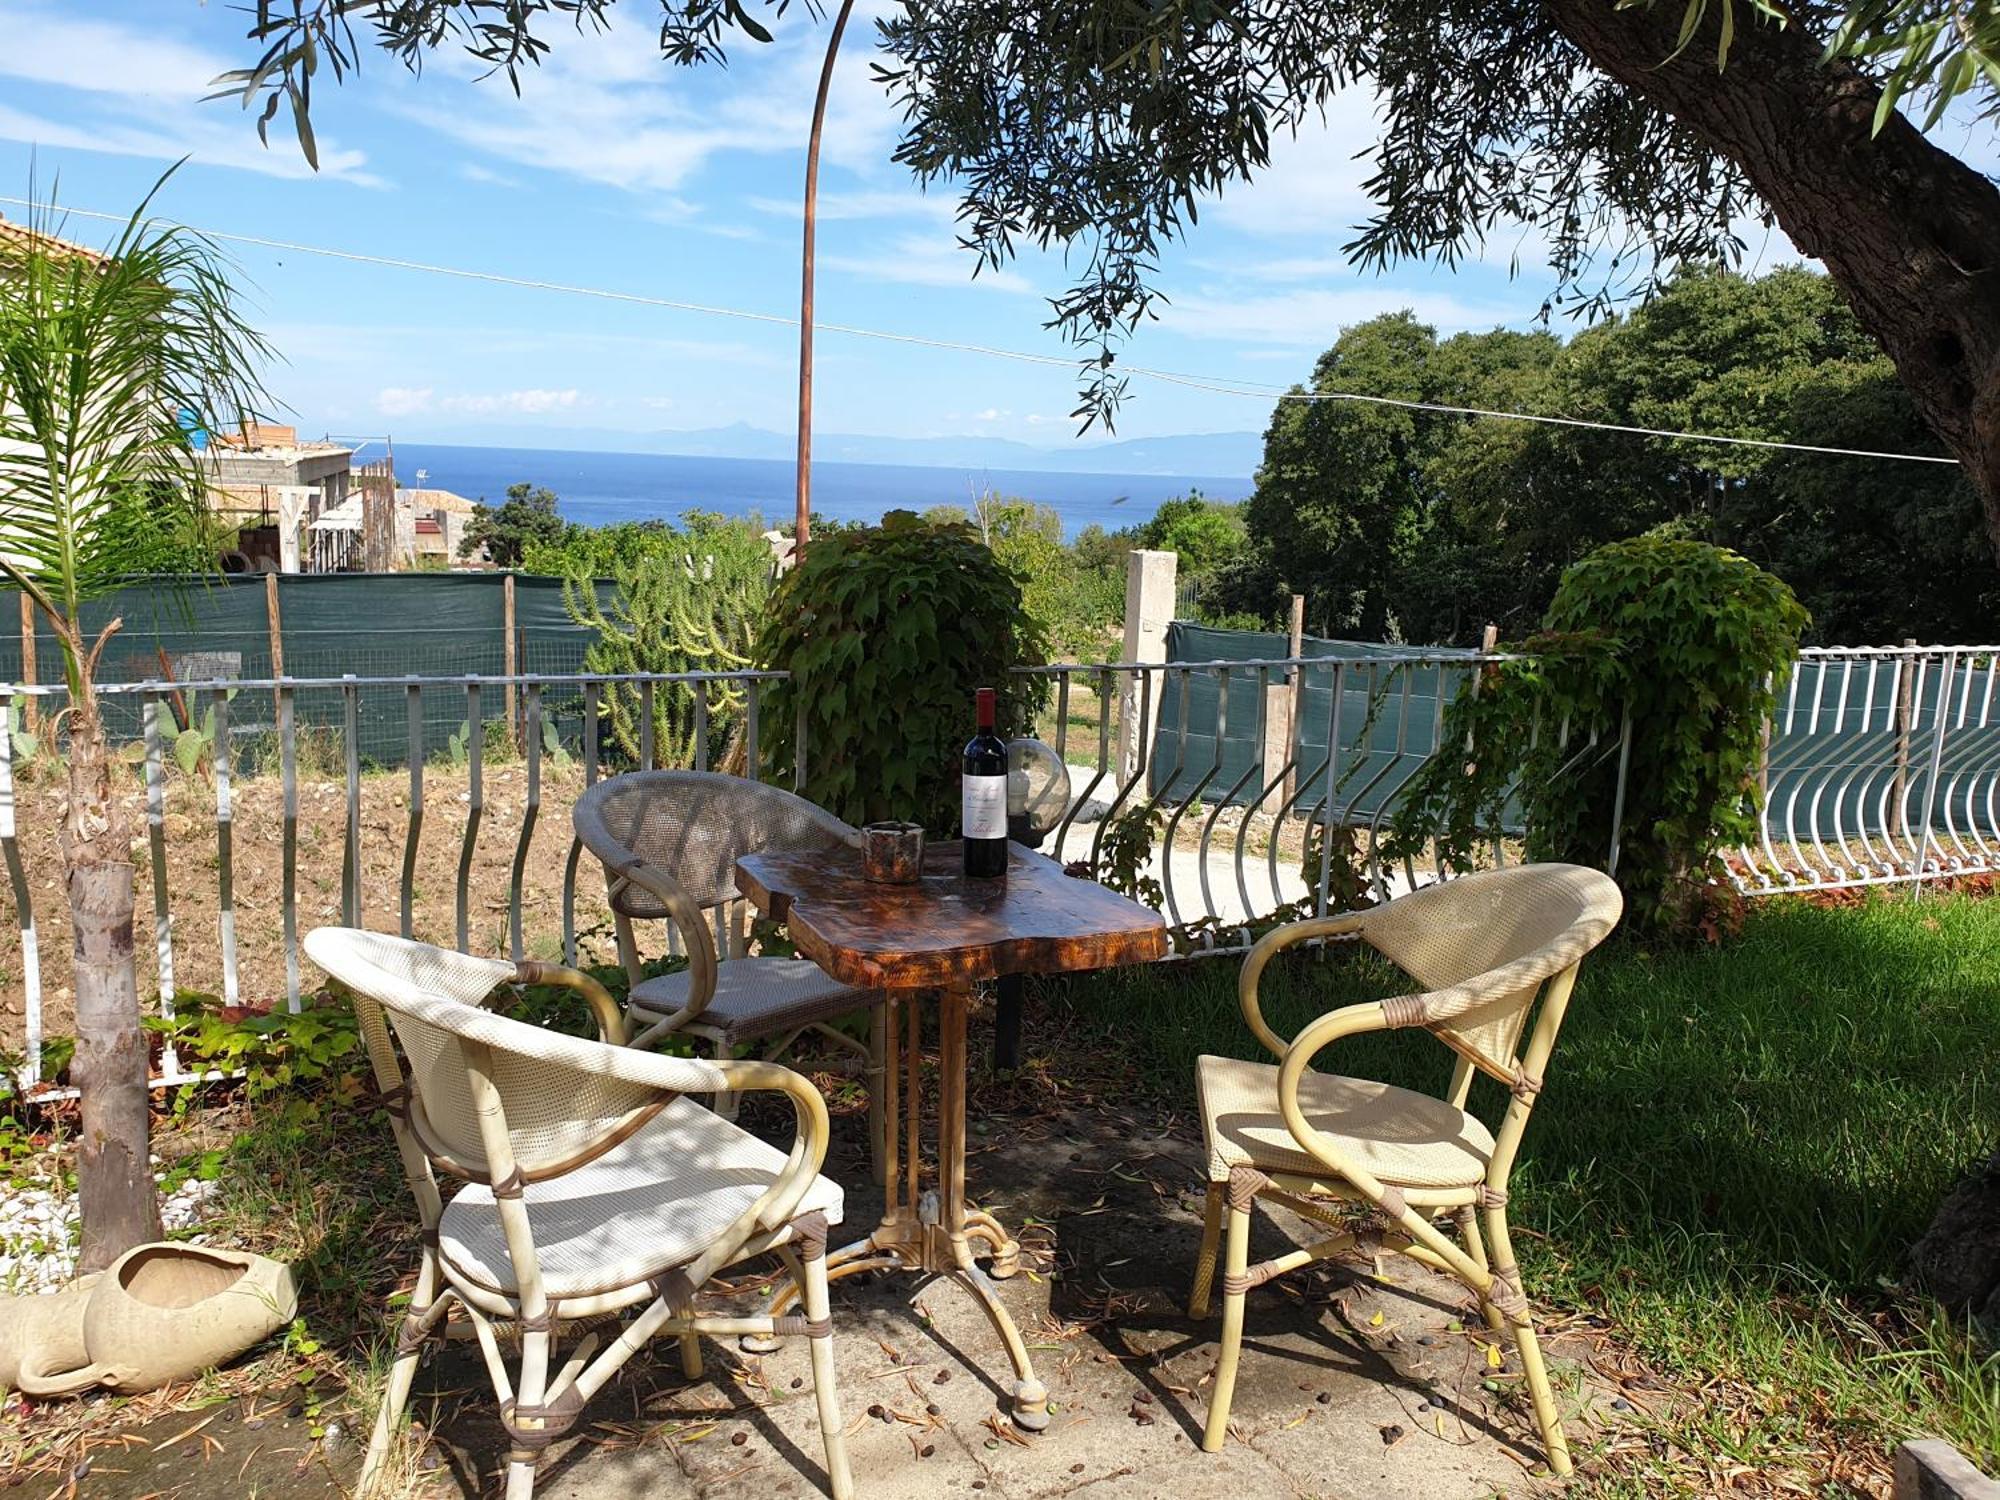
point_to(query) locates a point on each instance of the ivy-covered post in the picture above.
(1662, 651)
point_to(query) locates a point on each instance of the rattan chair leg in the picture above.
(840, 1480)
(396, 1394)
(1204, 1266)
(1235, 1263)
(529, 1391)
(1475, 1249)
(1547, 1417)
(691, 1355)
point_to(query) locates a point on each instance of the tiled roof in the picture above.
(18, 237)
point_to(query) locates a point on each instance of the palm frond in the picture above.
(108, 366)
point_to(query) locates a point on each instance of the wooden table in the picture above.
(942, 936)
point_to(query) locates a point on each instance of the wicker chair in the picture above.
(593, 1188)
(669, 842)
(1481, 948)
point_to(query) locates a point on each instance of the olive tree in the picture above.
(1633, 137)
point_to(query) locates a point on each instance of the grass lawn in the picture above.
(1736, 1148)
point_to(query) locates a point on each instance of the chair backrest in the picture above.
(695, 825)
(1541, 918)
(558, 1094)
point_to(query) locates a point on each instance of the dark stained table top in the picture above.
(946, 929)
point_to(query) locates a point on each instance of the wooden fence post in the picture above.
(31, 707)
(1906, 671)
(510, 658)
(274, 621)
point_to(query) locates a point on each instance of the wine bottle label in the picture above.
(983, 807)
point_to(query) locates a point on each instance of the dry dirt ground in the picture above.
(193, 865)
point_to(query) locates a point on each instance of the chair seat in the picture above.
(756, 997)
(656, 1200)
(1405, 1138)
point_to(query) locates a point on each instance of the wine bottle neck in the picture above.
(984, 700)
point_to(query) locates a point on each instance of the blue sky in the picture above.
(616, 170)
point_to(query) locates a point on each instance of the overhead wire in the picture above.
(1214, 385)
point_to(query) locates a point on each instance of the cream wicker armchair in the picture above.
(1482, 947)
(669, 842)
(594, 1188)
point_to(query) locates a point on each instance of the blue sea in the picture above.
(601, 489)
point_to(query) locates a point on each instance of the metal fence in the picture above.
(1247, 763)
(722, 710)
(304, 830)
(1883, 768)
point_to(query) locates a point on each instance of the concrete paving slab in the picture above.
(1344, 1384)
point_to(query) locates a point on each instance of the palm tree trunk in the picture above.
(113, 1166)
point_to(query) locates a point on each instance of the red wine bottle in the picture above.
(983, 797)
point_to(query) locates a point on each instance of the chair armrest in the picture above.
(686, 915)
(1268, 947)
(610, 1021)
(1336, 1025)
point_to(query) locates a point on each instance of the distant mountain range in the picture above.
(1205, 454)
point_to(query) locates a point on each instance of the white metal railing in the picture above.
(1882, 768)
(162, 708)
(1245, 763)
(1242, 765)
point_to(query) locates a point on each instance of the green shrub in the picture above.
(1686, 637)
(886, 631)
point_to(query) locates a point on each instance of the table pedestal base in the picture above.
(932, 1230)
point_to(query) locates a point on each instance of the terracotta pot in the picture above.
(42, 1337)
(166, 1312)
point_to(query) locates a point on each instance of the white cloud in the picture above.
(471, 171)
(403, 401)
(606, 107)
(534, 402)
(142, 97)
(915, 260)
(866, 203)
(1315, 183)
(1311, 318)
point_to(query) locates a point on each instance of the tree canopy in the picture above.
(505, 533)
(1426, 526)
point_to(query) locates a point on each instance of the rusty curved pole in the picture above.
(802, 522)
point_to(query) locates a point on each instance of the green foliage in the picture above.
(1424, 527)
(194, 743)
(1684, 637)
(681, 601)
(1205, 535)
(503, 534)
(315, 1058)
(1126, 848)
(886, 631)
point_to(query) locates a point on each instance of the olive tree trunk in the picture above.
(1910, 233)
(114, 1173)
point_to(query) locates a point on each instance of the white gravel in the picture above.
(39, 1229)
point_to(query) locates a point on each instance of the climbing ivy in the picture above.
(1686, 638)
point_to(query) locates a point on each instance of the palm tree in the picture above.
(110, 364)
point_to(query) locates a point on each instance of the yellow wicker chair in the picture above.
(1482, 948)
(594, 1188)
